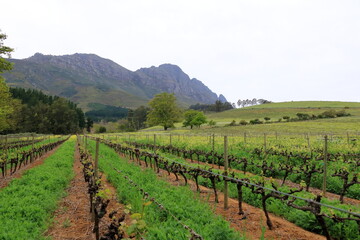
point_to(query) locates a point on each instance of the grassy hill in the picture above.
(275, 111)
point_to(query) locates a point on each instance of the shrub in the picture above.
(303, 116)
(256, 121)
(287, 118)
(101, 129)
(243, 122)
(329, 114)
(211, 123)
(233, 123)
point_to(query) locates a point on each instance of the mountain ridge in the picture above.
(89, 78)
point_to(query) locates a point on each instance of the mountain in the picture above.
(88, 79)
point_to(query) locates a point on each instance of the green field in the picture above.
(276, 111)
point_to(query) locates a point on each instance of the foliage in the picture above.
(194, 118)
(243, 122)
(101, 129)
(6, 102)
(211, 123)
(41, 113)
(136, 119)
(4, 50)
(233, 123)
(255, 121)
(218, 106)
(163, 110)
(107, 113)
(89, 124)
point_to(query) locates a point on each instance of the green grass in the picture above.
(276, 111)
(26, 205)
(309, 104)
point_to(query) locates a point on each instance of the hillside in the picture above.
(87, 79)
(278, 110)
(275, 111)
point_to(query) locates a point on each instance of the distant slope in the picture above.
(308, 104)
(88, 78)
(276, 111)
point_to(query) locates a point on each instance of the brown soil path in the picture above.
(72, 219)
(252, 222)
(316, 191)
(7, 179)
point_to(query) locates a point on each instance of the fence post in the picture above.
(96, 159)
(6, 154)
(325, 165)
(244, 137)
(225, 172)
(170, 140)
(265, 142)
(213, 149)
(154, 143)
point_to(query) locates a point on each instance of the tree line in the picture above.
(41, 113)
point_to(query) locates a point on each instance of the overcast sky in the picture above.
(278, 50)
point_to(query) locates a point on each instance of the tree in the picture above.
(140, 116)
(163, 110)
(6, 102)
(101, 129)
(4, 50)
(194, 118)
(63, 119)
(89, 124)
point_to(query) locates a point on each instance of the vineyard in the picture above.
(314, 178)
(180, 186)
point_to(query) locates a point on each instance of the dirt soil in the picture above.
(72, 219)
(252, 222)
(316, 191)
(7, 179)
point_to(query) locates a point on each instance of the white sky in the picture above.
(278, 50)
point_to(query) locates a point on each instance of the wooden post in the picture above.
(154, 143)
(96, 164)
(226, 190)
(348, 138)
(6, 155)
(265, 143)
(325, 165)
(244, 137)
(170, 140)
(276, 135)
(213, 148)
(32, 141)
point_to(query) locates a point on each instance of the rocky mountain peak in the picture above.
(222, 98)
